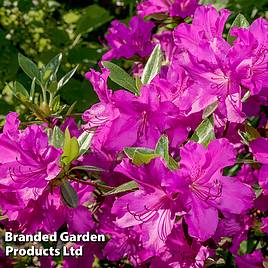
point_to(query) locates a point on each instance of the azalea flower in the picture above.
(152, 205)
(259, 148)
(126, 41)
(177, 8)
(206, 190)
(27, 160)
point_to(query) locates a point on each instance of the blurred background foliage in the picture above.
(40, 29)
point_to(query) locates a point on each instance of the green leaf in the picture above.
(57, 139)
(243, 137)
(210, 109)
(52, 67)
(56, 104)
(121, 77)
(251, 133)
(29, 67)
(94, 16)
(172, 164)
(53, 87)
(247, 246)
(153, 66)
(240, 22)
(140, 155)
(70, 110)
(84, 141)
(32, 91)
(64, 80)
(88, 168)
(69, 194)
(70, 148)
(246, 96)
(126, 187)
(162, 149)
(138, 83)
(19, 88)
(204, 132)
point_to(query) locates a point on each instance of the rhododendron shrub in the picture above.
(172, 167)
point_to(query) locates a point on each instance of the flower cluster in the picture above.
(173, 167)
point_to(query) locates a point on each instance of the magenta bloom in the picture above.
(254, 260)
(27, 160)
(43, 209)
(178, 252)
(177, 8)
(124, 119)
(152, 205)
(252, 44)
(259, 148)
(103, 112)
(205, 188)
(218, 78)
(125, 42)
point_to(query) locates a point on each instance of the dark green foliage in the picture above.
(42, 30)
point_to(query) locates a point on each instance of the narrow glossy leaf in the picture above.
(126, 187)
(69, 194)
(70, 110)
(57, 137)
(240, 22)
(88, 168)
(70, 148)
(31, 106)
(64, 80)
(210, 110)
(56, 104)
(138, 83)
(52, 67)
(84, 141)
(243, 137)
(172, 163)
(29, 67)
(162, 148)
(204, 132)
(139, 155)
(19, 88)
(53, 87)
(32, 89)
(153, 66)
(251, 133)
(121, 77)
(246, 96)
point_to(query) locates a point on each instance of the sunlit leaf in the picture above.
(126, 187)
(69, 194)
(153, 65)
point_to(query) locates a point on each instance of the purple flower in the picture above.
(152, 205)
(259, 148)
(252, 45)
(219, 78)
(205, 188)
(103, 112)
(180, 252)
(177, 8)
(143, 119)
(36, 209)
(253, 260)
(27, 160)
(126, 42)
(166, 41)
(124, 119)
